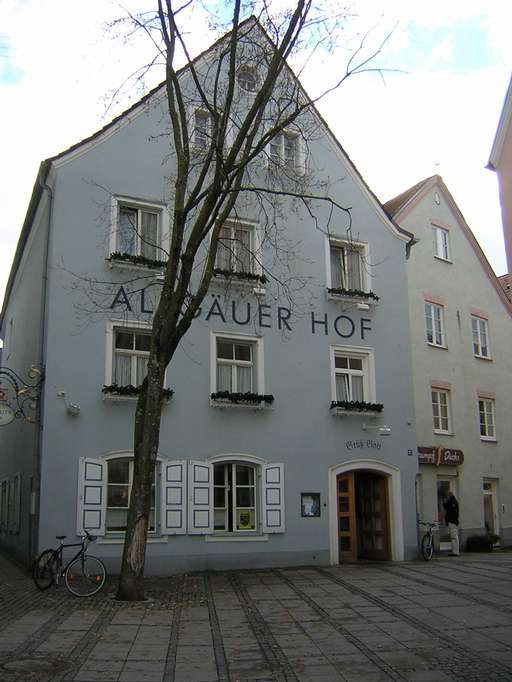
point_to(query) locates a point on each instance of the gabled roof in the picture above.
(399, 207)
(138, 106)
(501, 132)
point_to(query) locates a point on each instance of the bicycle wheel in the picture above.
(45, 569)
(427, 547)
(85, 576)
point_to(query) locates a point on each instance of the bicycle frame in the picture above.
(61, 568)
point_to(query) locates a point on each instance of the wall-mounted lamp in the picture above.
(71, 408)
(383, 430)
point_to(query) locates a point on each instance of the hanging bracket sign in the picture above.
(439, 456)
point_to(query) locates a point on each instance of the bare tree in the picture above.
(240, 125)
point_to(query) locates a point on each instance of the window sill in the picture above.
(120, 264)
(443, 433)
(119, 540)
(436, 345)
(443, 260)
(227, 404)
(362, 302)
(234, 537)
(342, 412)
(117, 398)
(488, 439)
(487, 358)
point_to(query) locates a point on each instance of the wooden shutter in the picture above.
(200, 498)
(91, 501)
(273, 498)
(173, 510)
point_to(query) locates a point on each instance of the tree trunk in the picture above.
(147, 436)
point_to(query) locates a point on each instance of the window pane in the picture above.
(336, 268)
(126, 238)
(124, 340)
(224, 350)
(290, 149)
(116, 519)
(142, 341)
(118, 471)
(243, 262)
(357, 388)
(243, 352)
(149, 235)
(117, 496)
(224, 247)
(341, 362)
(142, 370)
(224, 378)
(245, 519)
(244, 475)
(218, 474)
(245, 497)
(342, 387)
(356, 363)
(244, 379)
(219, 497)
(353, 268)
(122, 375)
(219, 519)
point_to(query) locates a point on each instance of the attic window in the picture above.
(247, 78)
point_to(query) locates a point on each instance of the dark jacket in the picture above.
(451, 508)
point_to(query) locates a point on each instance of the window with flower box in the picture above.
(353, 381)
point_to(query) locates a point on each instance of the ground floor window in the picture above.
(444, 486)
(234, 497)
(119, 486)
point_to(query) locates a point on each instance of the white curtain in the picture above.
(224, 250)
(127, 230)
(243, 251)
(342, 387)
(122, 369)
(357, 388)
(336, 269)
(353, 268)
(149, 235)
(142, 370)
(224, 378)
(244, 379)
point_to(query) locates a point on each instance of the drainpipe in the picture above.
(36, 464)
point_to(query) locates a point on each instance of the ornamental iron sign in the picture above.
(19, 399)
(439, 456)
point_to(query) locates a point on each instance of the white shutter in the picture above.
(173, 509)
(91, 500)
(16, 484)
(272, 489)
(200, 498)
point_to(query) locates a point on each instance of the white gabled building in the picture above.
(461, 325)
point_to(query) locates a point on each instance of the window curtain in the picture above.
(149, 235)
(126, 238)
(122, 370)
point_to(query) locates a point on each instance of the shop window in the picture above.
(480, 331)
(434, 322)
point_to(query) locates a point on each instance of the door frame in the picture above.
(493, 494)
(396, 534)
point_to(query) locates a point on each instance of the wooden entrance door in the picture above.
(372, 516)
(347, 532)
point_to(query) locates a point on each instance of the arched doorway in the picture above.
(365, 511)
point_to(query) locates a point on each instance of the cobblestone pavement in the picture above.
(450, 619)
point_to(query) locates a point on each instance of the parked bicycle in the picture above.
(427, 541)
(84, 575)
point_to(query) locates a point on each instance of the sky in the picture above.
(434, 108)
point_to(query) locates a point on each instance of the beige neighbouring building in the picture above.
(461, 325)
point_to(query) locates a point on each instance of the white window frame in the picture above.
(163, 242)
(430, 316)
(367, 355)
(255, 247)
(230, 492)
(248, 68)
(364, 250)
(156, 510)
(487, 409)
(127, 325)
(441, 392)
(258, 358)
(479, 327)
(207, 132)
(276, 151)
(442, 245)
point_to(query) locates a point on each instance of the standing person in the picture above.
(451, 516)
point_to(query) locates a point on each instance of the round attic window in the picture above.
(247, 78)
